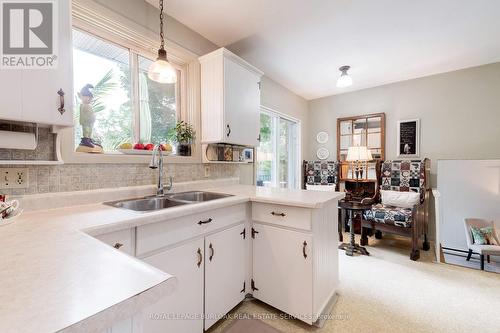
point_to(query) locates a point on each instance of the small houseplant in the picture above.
(183, 134)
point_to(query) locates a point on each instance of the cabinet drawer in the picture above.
(122, 240)
(294, 217)
(155, 236)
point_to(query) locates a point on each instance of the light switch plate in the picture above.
(13, 178)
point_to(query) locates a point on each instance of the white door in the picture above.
(41, 101)
(182, 311)
(282, 270)
(224, 272)
(241, 104)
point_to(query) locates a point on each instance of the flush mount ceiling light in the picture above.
(161, 70)
(344, 80)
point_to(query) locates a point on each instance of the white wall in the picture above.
(147, 16)
(459, 112)
(468, 189)
(279, 98)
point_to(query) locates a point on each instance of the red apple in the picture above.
(149, 146)
(139, 146)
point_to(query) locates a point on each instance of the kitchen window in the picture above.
(128, 106)
(278, 152)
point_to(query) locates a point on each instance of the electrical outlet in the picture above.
(13, 178)
(207, 171)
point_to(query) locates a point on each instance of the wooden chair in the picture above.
(404, 176)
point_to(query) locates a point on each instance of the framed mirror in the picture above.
(364, 130)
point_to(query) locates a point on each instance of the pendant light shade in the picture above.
(344, 80)
(161, 70)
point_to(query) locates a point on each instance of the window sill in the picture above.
(64, 143)
(86, 158)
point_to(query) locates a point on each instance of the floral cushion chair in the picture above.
(409, 219)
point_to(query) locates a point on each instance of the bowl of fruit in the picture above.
(142, 148)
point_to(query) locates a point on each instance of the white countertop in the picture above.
(55, 276)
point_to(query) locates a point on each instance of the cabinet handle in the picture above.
(205, 222)
(61, 101)
(304, 245)
(117, 245)
(200, 257)
(212, 252)
(228, 133)
(278, 214)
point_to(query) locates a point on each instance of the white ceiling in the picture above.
(301, 43)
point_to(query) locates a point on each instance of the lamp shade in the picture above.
(359, 154)
(344, 81)
(162, 71)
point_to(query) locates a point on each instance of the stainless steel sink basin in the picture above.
(146, 204)
(197, 196)
(156, 203)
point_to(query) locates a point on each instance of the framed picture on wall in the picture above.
(409, 138)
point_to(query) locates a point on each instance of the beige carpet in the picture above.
(250, 326)
(386, 292)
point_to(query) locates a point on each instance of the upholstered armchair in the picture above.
(481, 249)
(402, 176)
(318, 173)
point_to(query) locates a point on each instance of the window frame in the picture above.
(98, 21)
(276, 116)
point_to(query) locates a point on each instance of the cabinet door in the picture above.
(224, 272)
(11, 94)
(182, 311)
(40, 99)
(282, 270)
(241, 104)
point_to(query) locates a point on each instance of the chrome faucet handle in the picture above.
(170, 184)
(154, 159)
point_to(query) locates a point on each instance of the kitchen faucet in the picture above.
(157, 163)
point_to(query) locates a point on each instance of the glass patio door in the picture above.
(277, 154)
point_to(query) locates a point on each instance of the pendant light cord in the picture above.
(162, 37)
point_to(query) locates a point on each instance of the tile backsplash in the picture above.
(44, 151)
(80, 177)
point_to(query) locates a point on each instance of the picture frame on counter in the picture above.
(247, 155)
(408, 138)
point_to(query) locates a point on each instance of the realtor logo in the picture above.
(28, 34)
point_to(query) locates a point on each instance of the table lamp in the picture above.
(358, 156)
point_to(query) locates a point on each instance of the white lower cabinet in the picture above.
(225, 272)
(182, 311)
(282, 270)
(214, 267)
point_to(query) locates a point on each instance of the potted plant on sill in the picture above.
(184, 135)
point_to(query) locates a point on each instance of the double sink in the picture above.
(148, 204)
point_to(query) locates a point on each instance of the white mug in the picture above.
(13, 207)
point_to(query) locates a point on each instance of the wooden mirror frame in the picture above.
(353, 119)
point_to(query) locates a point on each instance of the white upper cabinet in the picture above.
(32, 95)
(230, 99)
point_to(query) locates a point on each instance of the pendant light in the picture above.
(161, 70)
(344, 80)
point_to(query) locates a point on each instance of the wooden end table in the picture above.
(351, 207)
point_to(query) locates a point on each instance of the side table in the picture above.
(351, 207)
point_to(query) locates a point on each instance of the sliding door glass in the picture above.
(277, 155)
(266, 163)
